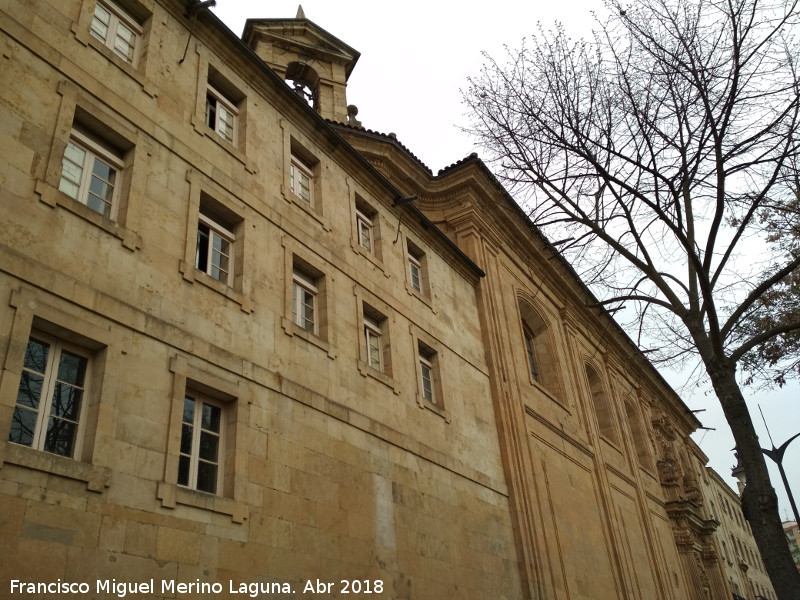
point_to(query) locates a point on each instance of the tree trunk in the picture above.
(759, 501)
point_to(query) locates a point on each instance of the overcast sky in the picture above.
(415, 59)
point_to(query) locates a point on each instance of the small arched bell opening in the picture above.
(304, 80)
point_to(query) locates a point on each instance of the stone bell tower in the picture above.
(314, 62)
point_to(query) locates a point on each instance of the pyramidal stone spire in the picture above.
(300, 13)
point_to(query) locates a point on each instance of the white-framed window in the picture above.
(117, 30)
(415, 272)
(529, 351)
(90, 173)
(427, 390)
(301, 180)
(417, 276)
(221, 114)
(365, 231)
(201, 444)
(50, 398)
(215, 247)
(373, 351)
(304, 301)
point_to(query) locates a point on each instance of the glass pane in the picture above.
(201, 254)
(101, 189)
(188, 410)
(209, 446)
(415, 276)
(183, 470)
(60, 438)
(365, 235)
(221, 245)
(100, 23)
(373, 350)
(36, 355)
(427, 387)
(225, 128)
(124, 43)
(295, 291)
(104, 172)
(211, 418)
(308, 310)
(30, 390)
(211, 111)
(207, 477)
(75, 154)
(71, 172)
(186, 438)
(23, 424)
(66, 401)
(72, 368)
(69, 188)
(98, 205)
(305, 188)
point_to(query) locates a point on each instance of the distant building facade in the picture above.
(246, 341)
(793, 538)
(741, 559)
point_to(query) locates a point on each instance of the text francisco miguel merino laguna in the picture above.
(121, 589)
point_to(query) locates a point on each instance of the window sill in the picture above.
(385, 379)
(192, 274)
(172, 494)
(540, 388)
(134, 72)
(53, 197)
(293, 330)
(201, 128)
(358, 249)
(434, 408)
(96, 478)
(306, 207)
(424, 298)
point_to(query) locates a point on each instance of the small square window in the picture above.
(90, 173)
(201, 446)
(215, 249)
(221, 114)
(304, 301)
(301, 180)
(117, 30)
(51, 396)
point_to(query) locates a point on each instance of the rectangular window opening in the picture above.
(51, 396)
(426, 360)
(117, 30)
(214, 254)
(301, 179)
(90, 173)
(304, 301)
(221, 114)
(201, 450)
(373, 342)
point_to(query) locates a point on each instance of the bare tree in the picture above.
(667, 147)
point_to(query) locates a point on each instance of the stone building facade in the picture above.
(246, 341)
